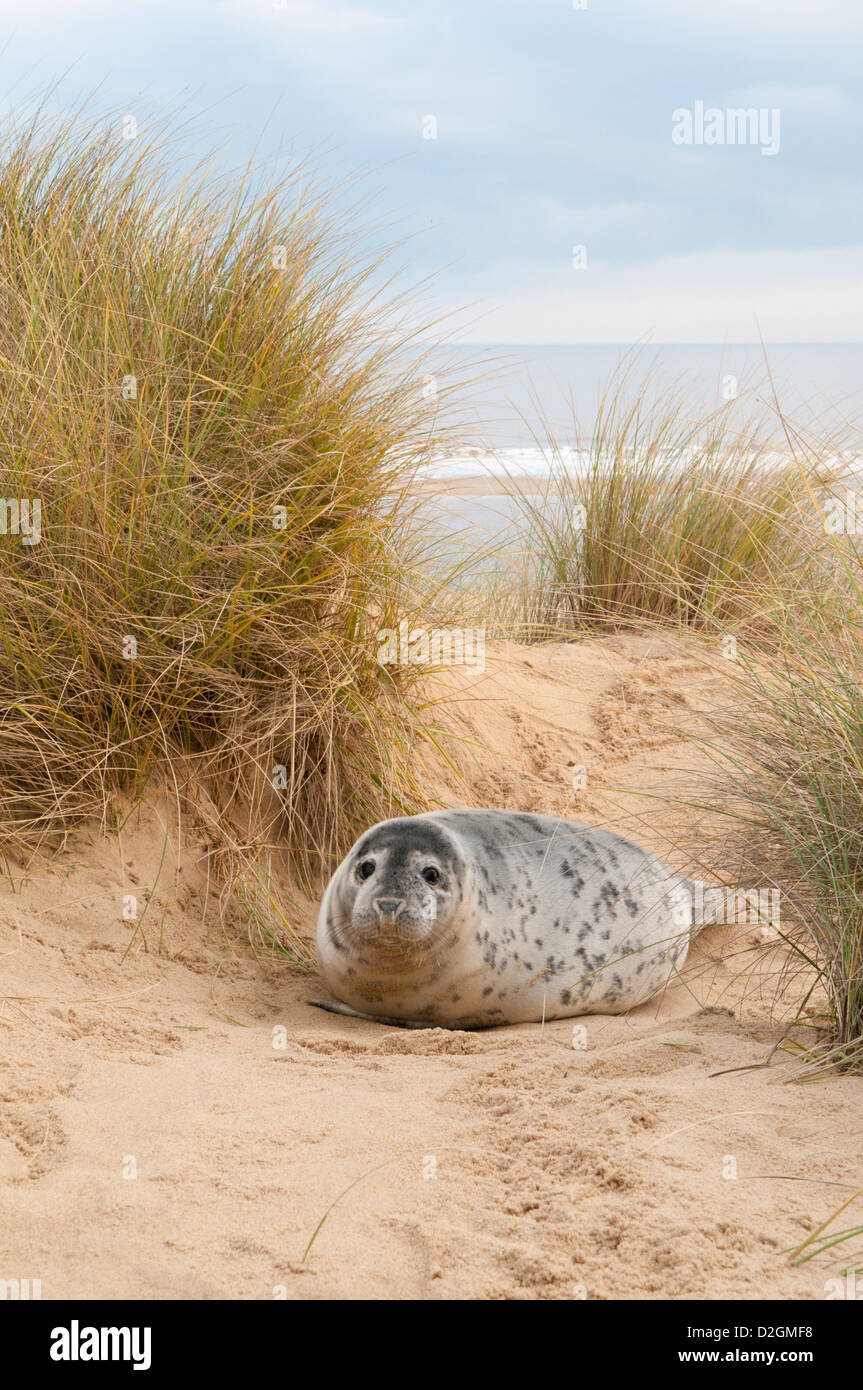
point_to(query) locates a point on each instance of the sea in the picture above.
(512, 399)
(522, 409)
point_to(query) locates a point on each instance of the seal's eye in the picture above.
(431, 874)
(366, 869)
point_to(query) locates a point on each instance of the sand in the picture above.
(482, 485)
(176, 1124)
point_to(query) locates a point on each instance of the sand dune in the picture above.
(504, 1164)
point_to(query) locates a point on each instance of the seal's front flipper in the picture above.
(333, 1008)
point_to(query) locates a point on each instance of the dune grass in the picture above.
(655, 518)
(822, 1240)
(207, 433)
(201, 393)
(735, 532)
(792, 758)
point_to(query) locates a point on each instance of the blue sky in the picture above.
(554, 131)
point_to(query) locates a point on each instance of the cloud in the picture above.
(756, 18)
(554, 130)
(315, 24)
(699, 298)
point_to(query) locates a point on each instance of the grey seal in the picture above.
(475, 918)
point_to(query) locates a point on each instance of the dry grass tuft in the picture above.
(203, 408)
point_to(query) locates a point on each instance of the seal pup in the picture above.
(475, 918)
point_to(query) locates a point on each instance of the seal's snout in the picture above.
(388, 909)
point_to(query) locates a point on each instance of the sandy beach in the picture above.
(481, 485)
(378, 441)
(176, 1124)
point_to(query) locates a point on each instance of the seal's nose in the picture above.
(388, 909)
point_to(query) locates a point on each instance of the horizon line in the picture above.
(629, 347)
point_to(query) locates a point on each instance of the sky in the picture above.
(535, 152)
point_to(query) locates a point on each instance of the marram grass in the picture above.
(653, 518)
(202, 405)
(792, 759)
(749, 536)
(205, 427)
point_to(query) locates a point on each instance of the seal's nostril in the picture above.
(388, 909)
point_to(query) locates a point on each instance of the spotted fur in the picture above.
(475, 918)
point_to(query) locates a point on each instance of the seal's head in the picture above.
(397, 892)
